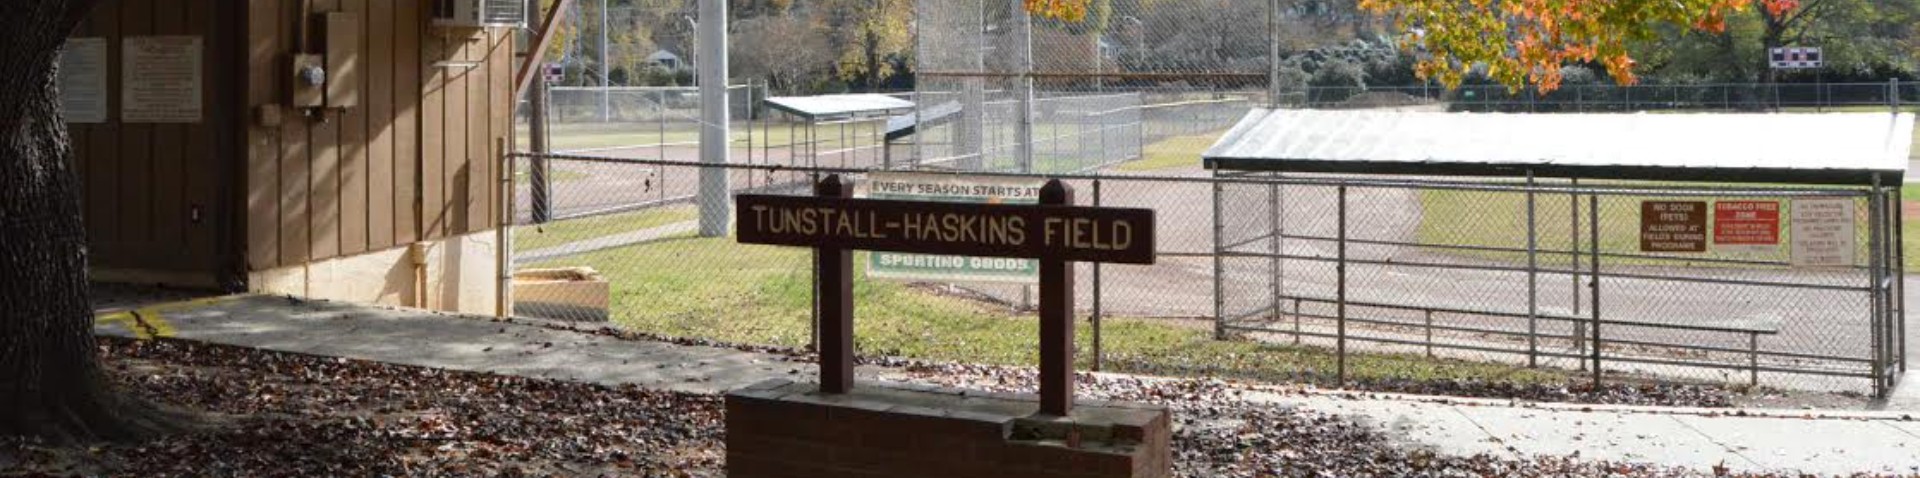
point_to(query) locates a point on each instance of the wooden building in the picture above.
(338, 149)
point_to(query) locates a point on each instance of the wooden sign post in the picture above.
(1055, 232)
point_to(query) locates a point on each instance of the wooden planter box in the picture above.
(578, 293)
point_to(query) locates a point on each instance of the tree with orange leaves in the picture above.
(1525, 41)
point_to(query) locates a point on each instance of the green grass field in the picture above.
(527, 238)
(555, 176)
(1177, 152)
(613, 135)
(718, 289)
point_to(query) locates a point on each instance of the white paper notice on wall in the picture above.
(160, 79)
(83, 80)
(1823, 232)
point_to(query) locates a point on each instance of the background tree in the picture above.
(1860, 38)
(51, 383)
(791, 52)
(1522, 41)
(874, 31)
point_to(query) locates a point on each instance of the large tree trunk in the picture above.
(873, 60)
(51, 383)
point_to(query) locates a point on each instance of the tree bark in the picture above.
(51, 382)
(873, 59)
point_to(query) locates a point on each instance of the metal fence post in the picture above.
(1273, 243)
(1899, 279)
(1593, 228)
(1875, 209)
(1096, 293)
(1429, 321)
(1533, 276)
(1296, 321)
(1573, 201)
(1893, 95)
(660, 120)
(537, 185)
(1219, 266)
(1341, 293)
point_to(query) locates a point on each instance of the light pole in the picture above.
(606, 98)
(1139, 38)
(693, 55)
(714, 195)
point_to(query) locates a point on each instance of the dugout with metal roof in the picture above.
(858, 123)
(1746, 248)
(1810, 148)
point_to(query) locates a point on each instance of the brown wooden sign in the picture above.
(1074, 234)
(1054, 231)
(1673, 226)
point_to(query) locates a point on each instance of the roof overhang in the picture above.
(836, 106)
(1811, 148)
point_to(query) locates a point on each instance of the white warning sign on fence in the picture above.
(951, 188)
(1823, 232)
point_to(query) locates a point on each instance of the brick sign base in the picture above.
(780, 428)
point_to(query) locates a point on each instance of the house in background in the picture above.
(668, 60)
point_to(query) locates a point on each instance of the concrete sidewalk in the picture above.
(1807, 441)
(1741, 440)
(427, 339)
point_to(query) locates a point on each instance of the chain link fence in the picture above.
(1139, 73)
(1364, 268)
(1607, 97)
(1521, 274)
(1322, 278)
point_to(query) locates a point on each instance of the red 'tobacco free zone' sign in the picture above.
(1752, 226)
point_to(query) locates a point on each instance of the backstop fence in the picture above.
(1544, 275)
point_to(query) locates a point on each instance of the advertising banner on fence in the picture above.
(1746, 226)
(1673, 226)
(958, 189)
(1823, 232)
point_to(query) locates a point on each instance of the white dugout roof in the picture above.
(1803, 148)
(826, 106)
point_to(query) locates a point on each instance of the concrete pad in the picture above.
(1905, 395)
(1426, 425)
(411, 337)
(1912, 428)
(1814, 446)
(1608, 436)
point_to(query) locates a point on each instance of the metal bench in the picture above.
(1752, 328)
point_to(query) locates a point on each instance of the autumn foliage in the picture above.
(1072, 10)
(1524, 41)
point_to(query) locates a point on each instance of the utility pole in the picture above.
(1273, 54)
(606, 97)
(1023, 135)
(714, 197)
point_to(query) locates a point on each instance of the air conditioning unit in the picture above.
(479, 13)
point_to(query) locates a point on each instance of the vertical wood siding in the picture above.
(153, 193)
(414, 161)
